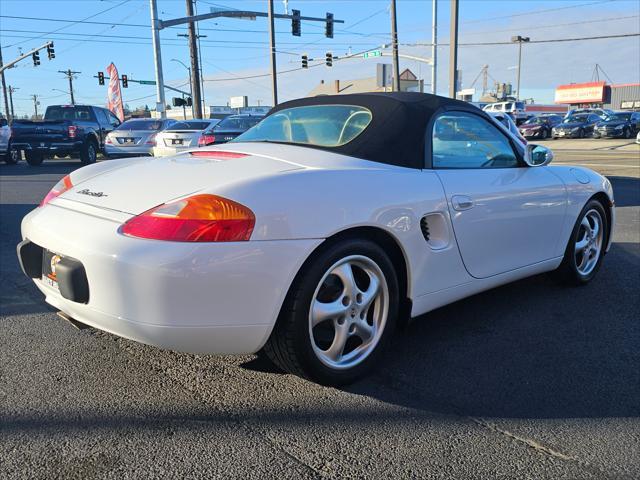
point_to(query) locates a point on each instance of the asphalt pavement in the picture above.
(530, 380)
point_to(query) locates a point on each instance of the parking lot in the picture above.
(529, 380)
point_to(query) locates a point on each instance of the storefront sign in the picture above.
(580, 93)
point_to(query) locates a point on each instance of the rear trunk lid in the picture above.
(181, 138)
(142, 185)
(131, 138)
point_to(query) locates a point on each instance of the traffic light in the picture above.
(305, 61)
(50, 51)
(125, 81)
(36, 58)
(295, 23)
(178, 102)
(328, 60)
(189, 102)
(328, 29)
(100, 78)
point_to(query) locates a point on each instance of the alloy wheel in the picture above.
(348, 312)
(588, 246)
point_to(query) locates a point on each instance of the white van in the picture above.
(515, 109)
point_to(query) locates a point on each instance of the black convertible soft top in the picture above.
(396, 134)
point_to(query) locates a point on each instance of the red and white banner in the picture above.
(114, 94)
(592, 92)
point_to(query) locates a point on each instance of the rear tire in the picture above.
(627, 133)
(89, 152)
(12, 156)
(543, 135)
(34, 159)
(333, 326)
(586, 247)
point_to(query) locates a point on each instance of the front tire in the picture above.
(12, 156)
(585, 250)
(34, 159)
(339, 314)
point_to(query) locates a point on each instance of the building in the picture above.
(599, 94)
(214, 111)
(382, 82)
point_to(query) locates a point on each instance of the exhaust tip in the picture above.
(75, 323)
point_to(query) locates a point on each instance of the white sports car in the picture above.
(313, 234)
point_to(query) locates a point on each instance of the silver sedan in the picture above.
(135, 137)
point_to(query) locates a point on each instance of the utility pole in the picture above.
(157, 58)
(453, 50)
(4, 92)
(434, 46)
(35, 104)
(519, 40)
(11, 91)
(198, 36)
(195, 69)
(394, 42)
(272, 43)
(69, 74)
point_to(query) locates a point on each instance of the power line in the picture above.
(555, 40)
(71, 24)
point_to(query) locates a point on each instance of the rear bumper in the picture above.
(164, 151)
(47, 147)
(135, 151)
(198, 298)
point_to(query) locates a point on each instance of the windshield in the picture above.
(534, 121)
(141, 125)
(576, 119)
(237, 123)
(195, 126)
(620, 117)
(321, 125)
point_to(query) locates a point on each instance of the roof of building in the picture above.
(396, 133)
(360, 85)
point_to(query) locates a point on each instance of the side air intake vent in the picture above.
(424, 226)
(435, 230)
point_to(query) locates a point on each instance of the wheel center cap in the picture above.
(353, 313)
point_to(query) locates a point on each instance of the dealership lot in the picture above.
(529, 380)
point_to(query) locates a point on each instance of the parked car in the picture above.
(229, 128)
(638, 138)
(618, 124)
(8, 155)
(515, 109)
(181, 136)
(579, 125)
(65, 130)
(507, 122)
(135, 137)
(539, 126)
(313, 234)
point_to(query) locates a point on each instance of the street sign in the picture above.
(239, 102)
(145, 82)
(372, 53)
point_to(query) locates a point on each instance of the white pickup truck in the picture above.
(9, 156)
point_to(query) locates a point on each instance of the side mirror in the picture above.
(537, 155)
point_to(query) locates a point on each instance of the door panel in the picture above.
(504, 218)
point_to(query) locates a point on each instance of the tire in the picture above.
(34, 158)
(363, 320)
(572, 271)
(543, 135)
(89, 152)
(627, 133)
(580, 133)
(12, 156)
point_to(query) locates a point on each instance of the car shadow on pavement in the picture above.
(47, 167)
(531, 349)
(626, 191)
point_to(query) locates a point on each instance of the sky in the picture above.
(233, 48)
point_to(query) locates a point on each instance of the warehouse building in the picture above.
(599, 94)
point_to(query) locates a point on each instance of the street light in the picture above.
(190, 84)
(519, 40)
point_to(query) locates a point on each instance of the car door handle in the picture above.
(461, 202)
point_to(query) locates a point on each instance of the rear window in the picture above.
(237, 123)
(195, 126)
(320, 125)
(68, 113)
(141, 125)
